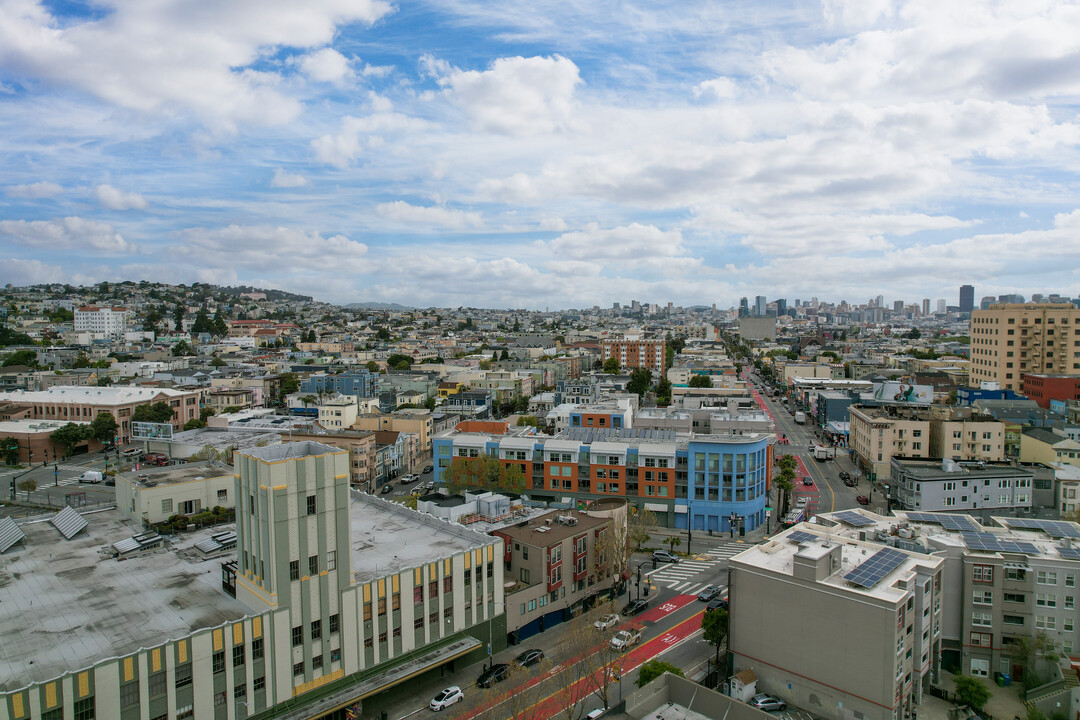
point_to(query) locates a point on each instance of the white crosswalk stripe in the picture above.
(680, 577)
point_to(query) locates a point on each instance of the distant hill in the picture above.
(270, 294)
(375, 306)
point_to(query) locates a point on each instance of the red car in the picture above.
(862, 500)
(156, 459)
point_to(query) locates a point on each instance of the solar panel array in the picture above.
(216, 543)
(69, 522)
(800, 536)
(1069, 553)
(949, 522)
(879, 565)
(1053, 528)
(853, 518)
(10, 533)
(992, 543)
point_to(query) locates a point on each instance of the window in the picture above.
(240, 691)
(166, 506)
(980, 668)
(1070, 580)
(1046, 577)
(525, 575)
(982, 619)
(219, 661)
(418, 623)
(183, 675)
(310, 504)
(335, 655)
(158, 684)
(418, 595)
(298, 636)
(316, 629)
(525, 553)
(1014, 597)
(298, 669)
(335, 623)
(129, 694)
(84, 709)
(448, 585)
(223, 496)
(219, 699)
(1045, 600)
(316, 662)
(1046, 622)
(238, 655)
(491, 569)
(982, 639)
(982, 597)
(1012, 619)
(1069, 602)
(294, 570)
(256, 649)
(313, 565)
(982, 573)
(331, 560)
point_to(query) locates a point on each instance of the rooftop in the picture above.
(176, 474)
(59, 608)
(553, 527)
(401, 538)
(119, 395)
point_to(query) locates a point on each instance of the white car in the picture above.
(606, 621)
(625, 638)
(446, 698)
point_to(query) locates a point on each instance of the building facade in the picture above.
(1045, 388)
(976, 488)
(631, 354)
(107, 322)
(1011, 339)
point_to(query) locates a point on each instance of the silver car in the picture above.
(767, 702)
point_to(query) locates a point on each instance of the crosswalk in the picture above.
(682, 577)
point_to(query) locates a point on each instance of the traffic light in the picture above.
(638, 574)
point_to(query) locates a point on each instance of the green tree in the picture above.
(372, 366)
(217, 362)
(182, 349)
(104, 427)
(641, 521)
(290, 383)
(159, 412)
(652, 669)
(178, 316)
(382, 334)
(21, 357)
(11, 337)
(81, 361)
(663, 391)
(397, 361)
(714, 629)
(70, 435)
(504, 355)
(29, 486)
(9, 448)
(220, 326)
(640, 380)
(700, 381)
(971, 691)
(203, 324)
(611, 366)
(673, 542)
(194, 424)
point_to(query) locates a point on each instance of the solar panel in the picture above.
(879, 565)
(800, 536)
(949, 522)
(10, 533)
(992, 543)
(1053, 528)
(69, 522)
(924, 517)
(853, 518)
(1070, 553)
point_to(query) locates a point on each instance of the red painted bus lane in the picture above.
(663, 610)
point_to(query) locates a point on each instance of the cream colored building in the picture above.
(861, 645)
(1011, 339)
(153, 495)
(1041, 445)
(877, 434)
(413, 421)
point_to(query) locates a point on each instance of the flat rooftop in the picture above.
(388, 537)
(64, 605)
(176, 474)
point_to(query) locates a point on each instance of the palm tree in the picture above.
(673, 542)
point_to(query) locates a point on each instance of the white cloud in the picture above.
(114, 199)
(269, 249)
(18, 271)
(631, 242)
(516, 95)
(358, 134)
(722, 88)
(176, 56)
(554, 224)
(34, 191)
(284, 179)
(435, 217)
(70, 233)
(326, 65)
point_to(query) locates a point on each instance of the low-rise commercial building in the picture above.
(153, 495)
(979, 488)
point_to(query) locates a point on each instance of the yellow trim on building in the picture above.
(50, 695)
(17, 704)
(155, 660)
(256, 627)
(129, 669)
(281, 487)
(318, 682)
(238, 633)
(219, 640)
(396, 583)
(84, 684)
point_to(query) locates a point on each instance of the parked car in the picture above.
(131, 452)
(664, 556)
(408, 479)
(386, 488)
(625, 638)
(529, 657)
(495, 673)
(429, 469)
(767, 702)
(709, 593)
(634, 607)
(593, 714)
(807, 481)
(862, 499)
(446, 698)
(717, 604)
(606, 621)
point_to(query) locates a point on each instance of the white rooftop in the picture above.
(64, 606)
(114, 395)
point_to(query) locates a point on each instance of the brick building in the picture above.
(632, 354)
(1044, 388)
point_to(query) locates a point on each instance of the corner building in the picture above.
(694, 479)
(333, 597)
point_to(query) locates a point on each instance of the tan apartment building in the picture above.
(68, 403)
(877, 434)
(875, 638)
(1043, 445)
(412, 420)
(153, 495)
(1009, 340)
(361, 448)
(632, 354)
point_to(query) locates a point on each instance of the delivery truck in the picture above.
(800, 417)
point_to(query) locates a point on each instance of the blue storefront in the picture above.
(725, 476)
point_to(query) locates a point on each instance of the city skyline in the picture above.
(542, 155)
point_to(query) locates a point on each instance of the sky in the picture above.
(539, 154)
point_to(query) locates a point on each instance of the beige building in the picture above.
(153, 495)
(877, 434)
(338, 413)
(361, 448)
(1009, 340)
(414, 421)
(1042, 445)
(867, 633)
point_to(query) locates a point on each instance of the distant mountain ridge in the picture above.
(375, 306)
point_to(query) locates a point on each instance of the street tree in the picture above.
(290, 383)
(70, 435)
(700, 381)
(640, 380)
(714, 629)
(639, 525)
(611, 366)
(104, 427)
(673, 542)
(159, 412)
(28, 486)
(971, 691)
(652, 669)
(9, 448)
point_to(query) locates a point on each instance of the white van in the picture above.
(91, 476)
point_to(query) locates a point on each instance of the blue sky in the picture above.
(544, 154)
